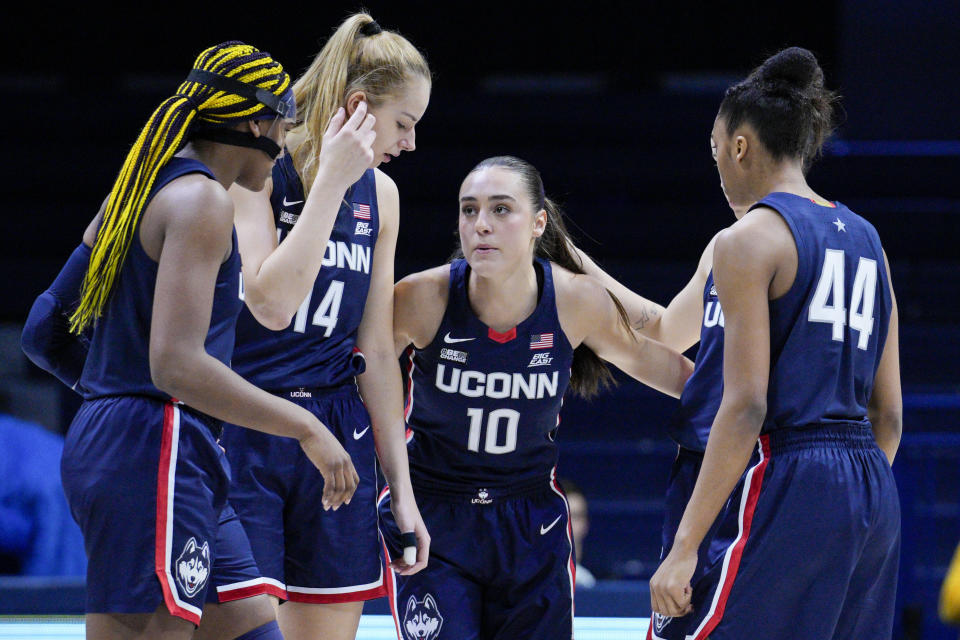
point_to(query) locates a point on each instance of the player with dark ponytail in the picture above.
(159, 270)
(791, 527)
(495, 335)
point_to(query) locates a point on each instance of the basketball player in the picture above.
(497, 337)
(142, 469)
(797, 463)
(318, 251)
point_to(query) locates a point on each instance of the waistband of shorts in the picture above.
(343, 389)
(214, 425)
(841, 435)
(479, 493)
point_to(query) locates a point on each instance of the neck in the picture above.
(224, 162)
(786, 177)
(503, 302)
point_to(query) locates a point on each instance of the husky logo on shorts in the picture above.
(422, 620)
(660, 621)
(193, 567)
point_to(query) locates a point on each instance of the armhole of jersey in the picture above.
(446, 309)
(803, 266)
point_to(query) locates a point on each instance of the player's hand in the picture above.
(670, 590)
(340, 479)
(347, 147)
(407, 516)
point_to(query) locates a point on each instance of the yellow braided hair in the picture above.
(161, 137)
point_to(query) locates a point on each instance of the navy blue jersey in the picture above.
(317, 349)
(484, 406)
(827, 332)
(119, 358)
(702, 393)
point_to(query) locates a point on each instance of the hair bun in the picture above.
(795, 66)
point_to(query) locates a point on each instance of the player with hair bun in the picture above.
(792, 528)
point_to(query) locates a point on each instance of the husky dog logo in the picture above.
(193, 567)
(422, 620)
(660, 621)
(482, 497)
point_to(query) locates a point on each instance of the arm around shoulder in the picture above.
(589, 315)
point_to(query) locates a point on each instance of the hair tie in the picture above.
(370, 29)
(190, 100)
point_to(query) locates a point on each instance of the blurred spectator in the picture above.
(38, 536)
(580, 523)
(950, 592)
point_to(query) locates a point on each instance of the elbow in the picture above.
(33, 348)
(271, 316)
(45, 331)
(686, 370)
(889, 421)
(169, 371)
(749, 409)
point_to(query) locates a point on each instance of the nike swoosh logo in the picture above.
(290, 204)
(450, 340)
(544, 529)
(357, 436)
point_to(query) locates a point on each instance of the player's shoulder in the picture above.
(196, 196)
(569, 283)
(424, 287)
(386, 186)
(580, 297)
(706, 258)
(761, 236)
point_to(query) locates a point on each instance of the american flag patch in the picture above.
(541, 341)
(361, 211)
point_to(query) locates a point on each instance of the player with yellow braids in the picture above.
(162, 136)
(149, 346)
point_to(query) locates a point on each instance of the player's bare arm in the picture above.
(886, 402)
(677, 325)
(420, 300)
(747, 258)
(380, 385)
(589, 316)
(188, 227)
(644, 314)
(278, 278)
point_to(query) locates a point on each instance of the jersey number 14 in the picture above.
(327, 313)
(827, 304)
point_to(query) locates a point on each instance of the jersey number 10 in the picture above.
(491, 445)
(831, 285)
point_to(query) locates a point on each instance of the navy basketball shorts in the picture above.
(306, 554)
(683, 478)
(818, 546)
(501, 566)
(147, 483)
